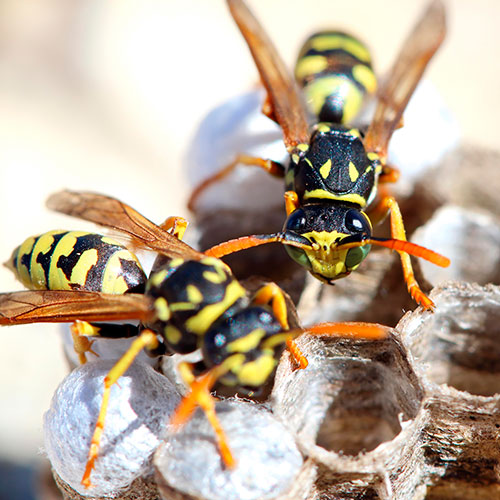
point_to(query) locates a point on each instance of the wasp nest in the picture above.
(414, 416)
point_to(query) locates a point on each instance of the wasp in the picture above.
(334, 172)
(190, 301)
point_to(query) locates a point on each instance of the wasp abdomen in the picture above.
(335, 72)
(69, 260)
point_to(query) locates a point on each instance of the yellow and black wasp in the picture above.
(190, 301)
(333, 174)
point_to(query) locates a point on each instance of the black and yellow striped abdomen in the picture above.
(69, 260)
(334, 69)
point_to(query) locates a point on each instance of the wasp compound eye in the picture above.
(356, 222)
(296, 221)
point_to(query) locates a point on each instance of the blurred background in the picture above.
(105, 96)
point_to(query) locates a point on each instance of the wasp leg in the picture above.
(199, 395)
(177, 226)
(389, 204)
(146, 339)
(354, 330)
(291, 202)
(389, 174)
(272, 294)
(270, 166)
(81, 330)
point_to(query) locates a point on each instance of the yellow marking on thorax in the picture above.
(194, 294)
(219, 274)
(372, 156)
(202, 321)
(325, 169)
(161, 309)
(157, 278)
(365, 76)
(322, 194)
(338, 41)
(355, 133)
(276, 339)
(310, 65)
(176, 262)
(295, 158)
(247, 343)
(323, 127)
(353, 172)
(172, 334)
(182, 306)
(302, 147)
(255, 373)
(289, 177)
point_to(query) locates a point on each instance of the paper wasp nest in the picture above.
(414, 416)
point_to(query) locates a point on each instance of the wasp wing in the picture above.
(62, 306)
(110, 212)
(404, 76)
(283, 96)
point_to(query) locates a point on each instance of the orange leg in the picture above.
(146, 339)
(291, 202)
(80, 330)
(272, 294)
(177, 226)
(389, 204)
(270, 166)
(389, 174)
(199, 395)
(354, 330)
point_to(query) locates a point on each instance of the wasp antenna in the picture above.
(412, 249)
(255, 240)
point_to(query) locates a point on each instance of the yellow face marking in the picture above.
(302, 147)
(353, 172)
(324, 170)
(365, 76)
(247, 343)
(310, 65)
(194, 294)
(339, 41)
(322, 194)
(176, 262)
(161, 308)
(172, 334)
(200, 323)
(327, 260)
(157, 278)
(255, 373)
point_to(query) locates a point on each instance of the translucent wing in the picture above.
(110, 212)
(404, 76)
(48, 306)
(286, 106)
